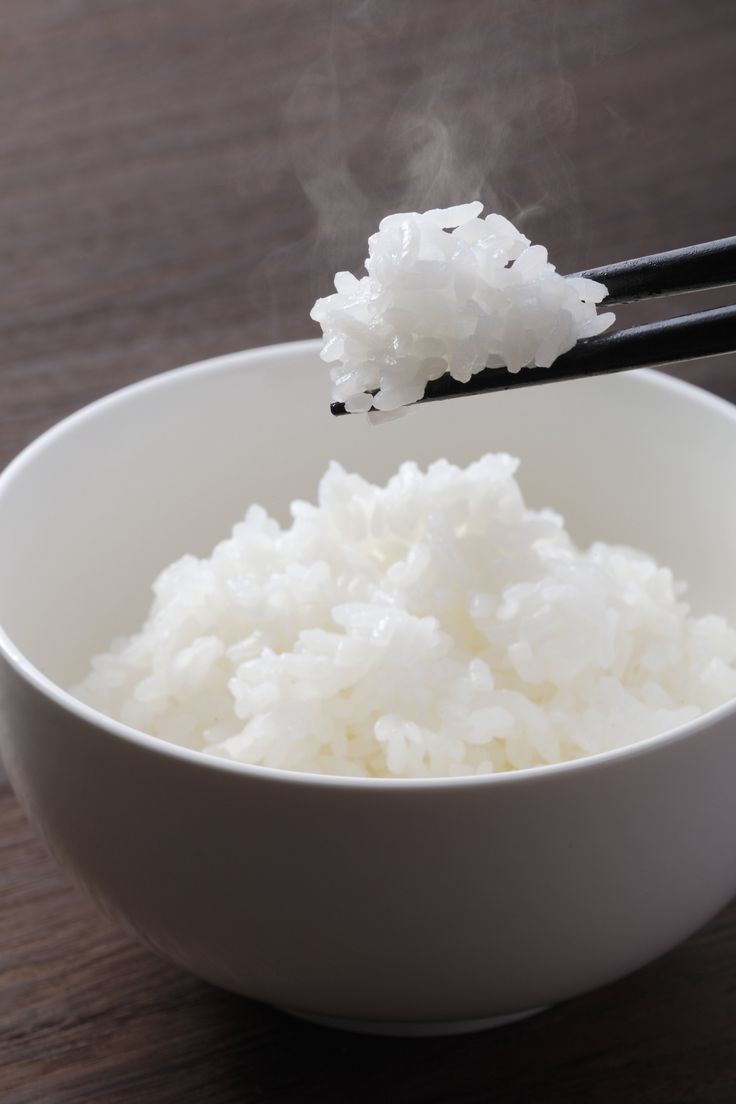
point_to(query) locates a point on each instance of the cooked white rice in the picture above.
(448, 291)
(434, 626)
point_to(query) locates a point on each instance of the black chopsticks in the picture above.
(694, 268)
(687, 337)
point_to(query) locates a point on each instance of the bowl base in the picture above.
(413, 1028)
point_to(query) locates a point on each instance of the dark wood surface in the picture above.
(177, 180)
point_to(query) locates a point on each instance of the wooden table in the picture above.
(179, 178)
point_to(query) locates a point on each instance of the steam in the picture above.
(413, 105)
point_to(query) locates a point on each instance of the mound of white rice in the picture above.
(448, 291)
(434, 626)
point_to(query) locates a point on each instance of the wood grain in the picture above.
(179, 180)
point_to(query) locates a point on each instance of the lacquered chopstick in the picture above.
(688, 337)
(694, 268)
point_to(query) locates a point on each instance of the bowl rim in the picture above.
(68, 703)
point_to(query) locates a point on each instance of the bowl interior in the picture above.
(93, 510)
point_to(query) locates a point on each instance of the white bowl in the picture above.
(416, 906)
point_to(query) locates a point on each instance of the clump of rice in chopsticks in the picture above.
(448, 291)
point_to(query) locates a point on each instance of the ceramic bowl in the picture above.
(418, 906)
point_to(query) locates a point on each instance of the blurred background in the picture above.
(180, 179)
